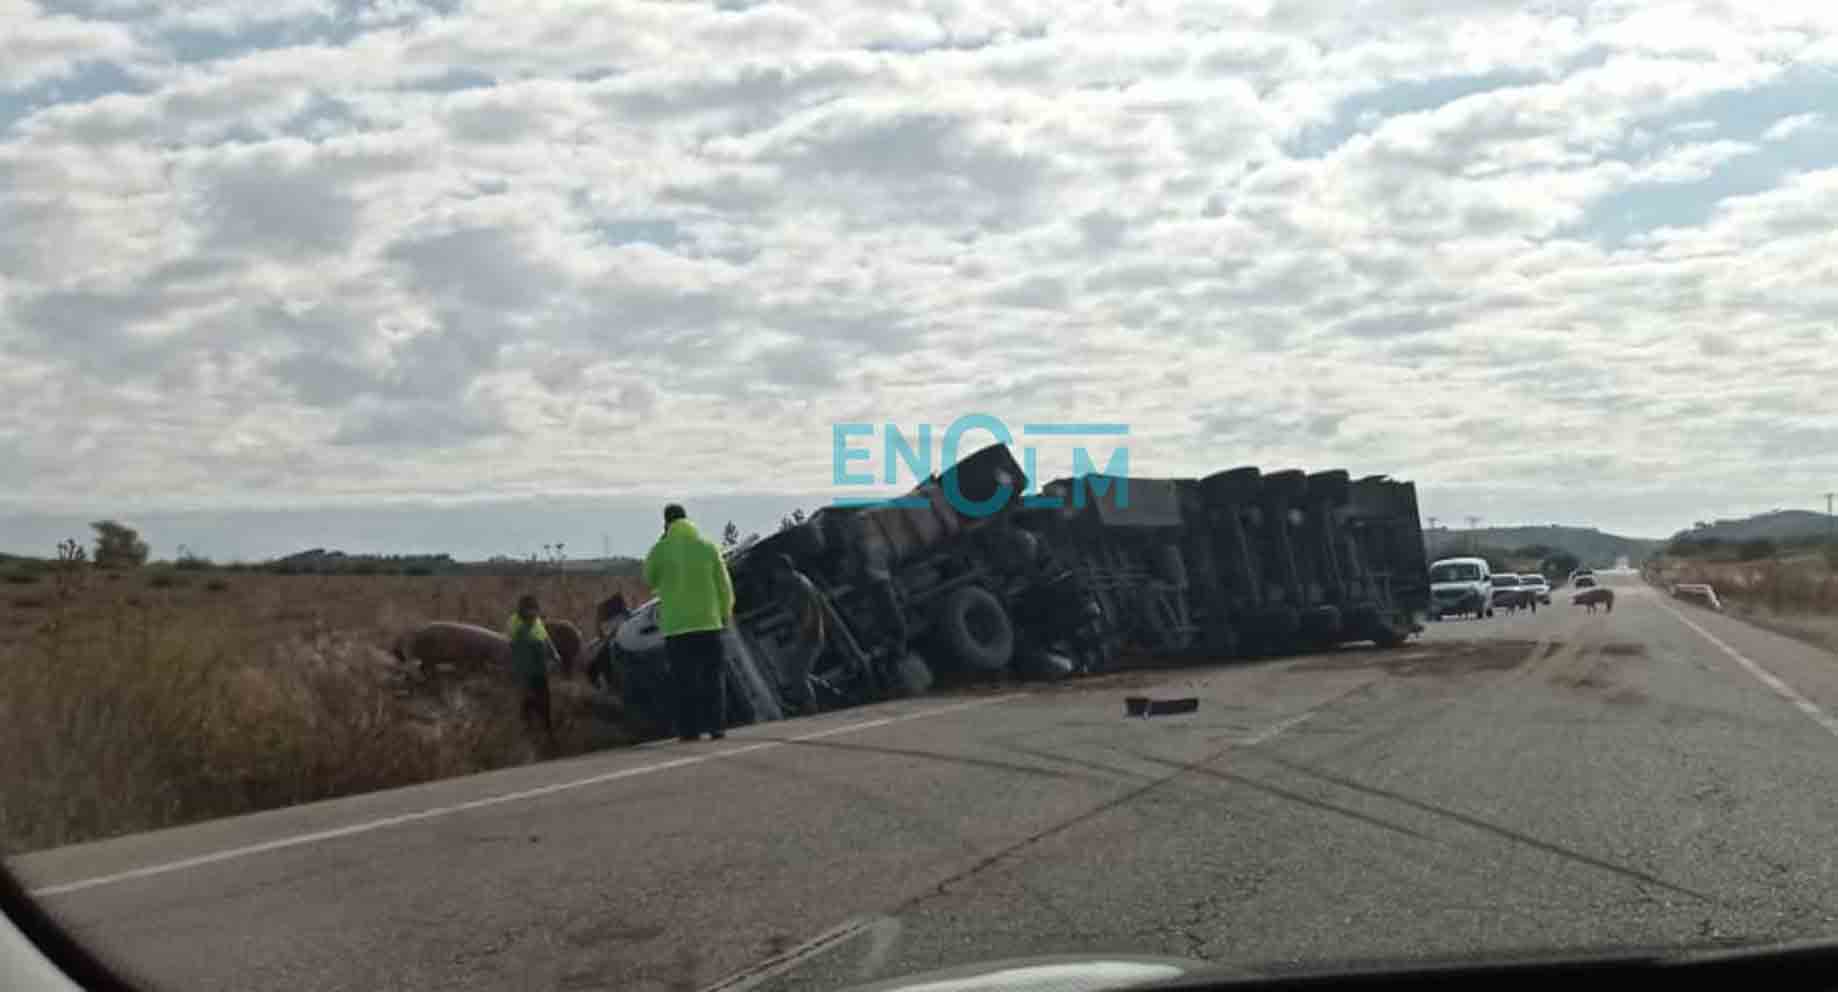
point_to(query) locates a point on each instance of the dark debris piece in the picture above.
(1143, 706)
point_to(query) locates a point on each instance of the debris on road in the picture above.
(1143, 706)
(1699, 593)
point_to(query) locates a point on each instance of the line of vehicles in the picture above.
(1470, 587)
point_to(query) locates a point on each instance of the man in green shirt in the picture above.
(531, 652)
(695, 603)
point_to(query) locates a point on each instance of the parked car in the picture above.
(1461, 585)
(1584, 581)
(1537, 586)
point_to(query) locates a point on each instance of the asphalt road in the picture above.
(1527, 783)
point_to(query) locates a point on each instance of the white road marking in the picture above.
(1276, 730)
(1767, 678)
(884, 928)
(367, 826)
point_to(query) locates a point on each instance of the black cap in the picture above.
(674, 512)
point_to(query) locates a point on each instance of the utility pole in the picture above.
(1433, 522)
(1474, 537)
(1831, 521)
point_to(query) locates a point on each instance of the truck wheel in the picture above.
(977, 630)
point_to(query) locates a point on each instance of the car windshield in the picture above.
(781, 494)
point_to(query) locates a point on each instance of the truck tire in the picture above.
(976, 629)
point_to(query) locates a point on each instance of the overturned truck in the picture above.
(968, 577)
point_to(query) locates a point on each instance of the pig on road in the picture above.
(1596, 596)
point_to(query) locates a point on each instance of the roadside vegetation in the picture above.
(137, 696)
(1787, 586)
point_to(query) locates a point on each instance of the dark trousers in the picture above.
(697, 664)
(536, 706)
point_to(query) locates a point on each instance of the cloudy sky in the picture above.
(472, 276)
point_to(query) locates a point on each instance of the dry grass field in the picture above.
(1796, 595)
(146, 698)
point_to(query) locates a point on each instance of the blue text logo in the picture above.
(853, 442)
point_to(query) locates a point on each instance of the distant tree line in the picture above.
(1752, 549)
(118, 546)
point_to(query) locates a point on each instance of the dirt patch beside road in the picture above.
(1431, 659)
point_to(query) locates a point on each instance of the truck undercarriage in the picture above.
(965, 577)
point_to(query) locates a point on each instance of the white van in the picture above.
(1461, 585)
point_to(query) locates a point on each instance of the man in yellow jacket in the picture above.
(531, 654)
(695, 602)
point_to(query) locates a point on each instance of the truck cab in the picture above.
(1461, 585)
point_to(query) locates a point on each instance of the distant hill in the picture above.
(1778, 525)
(1597, 549)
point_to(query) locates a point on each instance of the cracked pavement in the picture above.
(1557, 781)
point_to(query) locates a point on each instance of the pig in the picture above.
(1597, 596)
(567, 640)
(461, 645)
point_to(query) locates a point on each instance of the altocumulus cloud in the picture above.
(340, 255)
